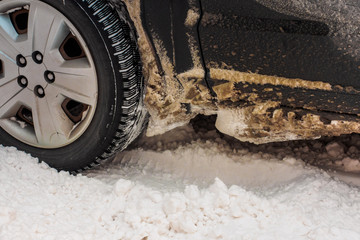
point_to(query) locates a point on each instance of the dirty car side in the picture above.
(271, 70)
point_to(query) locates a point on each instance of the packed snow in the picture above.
(192, 183)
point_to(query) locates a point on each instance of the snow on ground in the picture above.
(192, 183)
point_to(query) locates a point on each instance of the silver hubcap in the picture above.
(48, 82)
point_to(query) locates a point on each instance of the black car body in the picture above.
(271, 70)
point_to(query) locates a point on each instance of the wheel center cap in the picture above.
(34, 73)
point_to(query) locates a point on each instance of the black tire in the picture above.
(119, 115)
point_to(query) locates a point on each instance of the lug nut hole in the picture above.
(21, 61)
(39, 91)
(37, 57)
(22, 81)
(49, 76)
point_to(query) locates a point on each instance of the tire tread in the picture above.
(121, 38)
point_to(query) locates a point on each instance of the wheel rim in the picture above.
(48, 79)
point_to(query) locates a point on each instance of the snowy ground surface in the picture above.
(192, 183)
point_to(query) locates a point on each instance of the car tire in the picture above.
(51, 115)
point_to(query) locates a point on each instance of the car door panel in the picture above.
(291, 45)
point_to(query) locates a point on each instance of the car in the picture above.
(81, 79)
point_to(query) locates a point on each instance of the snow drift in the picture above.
(184, 187)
